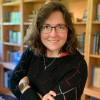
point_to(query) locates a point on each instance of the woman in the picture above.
(51, 68)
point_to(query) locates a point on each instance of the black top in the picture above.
(66, 76)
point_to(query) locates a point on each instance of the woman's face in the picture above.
(54, 40)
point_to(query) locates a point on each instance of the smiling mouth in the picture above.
(54, 41)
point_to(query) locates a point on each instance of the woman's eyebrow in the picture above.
(46, 24)
(56, 24)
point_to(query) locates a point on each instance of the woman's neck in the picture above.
(52, 54)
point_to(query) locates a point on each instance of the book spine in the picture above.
(97, 42)
(94, 43)
(10, 36)
(18, 37)
(99, 45)
(14, 37)
(92, 75)
(96, 76)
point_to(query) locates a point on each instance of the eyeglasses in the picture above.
(59, 29)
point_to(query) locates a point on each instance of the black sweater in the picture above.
(66, 76)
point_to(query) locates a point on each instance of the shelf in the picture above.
(5, 90)
(8, 65)
(34, 0)
(27, 23)
(94, 56)
(11, 44)
(95, 22)
(79, 23)
(92, 91)
(9, 23)
(16, 3)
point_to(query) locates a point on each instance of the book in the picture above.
(7, 14)
(14, 56)
(10, 36)
(7, 75)
(98, 12)
(96, 77)
(14, 37)
(92, 75)
(97, 43)
(12, 17)
(18, 37)
(7, 1)
(7, 36)
(94, 43)
(83, 41)
(17, 17)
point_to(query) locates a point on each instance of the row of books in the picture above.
(95, 76)
(81, 38)
(13, 37)
(13, 17)
(13, 56)
(11, 0)
(96, 43)
(7, 76)
(98, 12)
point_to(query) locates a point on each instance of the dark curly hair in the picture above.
(33, 39)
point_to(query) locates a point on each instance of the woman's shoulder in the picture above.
(28, 53)
(78, 58)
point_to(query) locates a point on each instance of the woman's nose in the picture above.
(53, 32)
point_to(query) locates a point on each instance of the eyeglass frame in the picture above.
(53, 27)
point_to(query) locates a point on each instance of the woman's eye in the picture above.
(45, 27)
(60, 27)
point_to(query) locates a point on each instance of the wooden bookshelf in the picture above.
(16, 3)
(34, 1)
(92, 91)
(8, 23)
(79, 23)
(77, 7)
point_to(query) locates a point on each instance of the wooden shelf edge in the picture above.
(11, 44)
(80, 23)
(8, 65)
(95, 22)
(9, 23)
(92, 92)
(5, 90)
(16, 3)
(34, 0)
(27, 23)
(94, 56)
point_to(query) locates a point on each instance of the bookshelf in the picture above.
(92, 59)
(77, 7)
